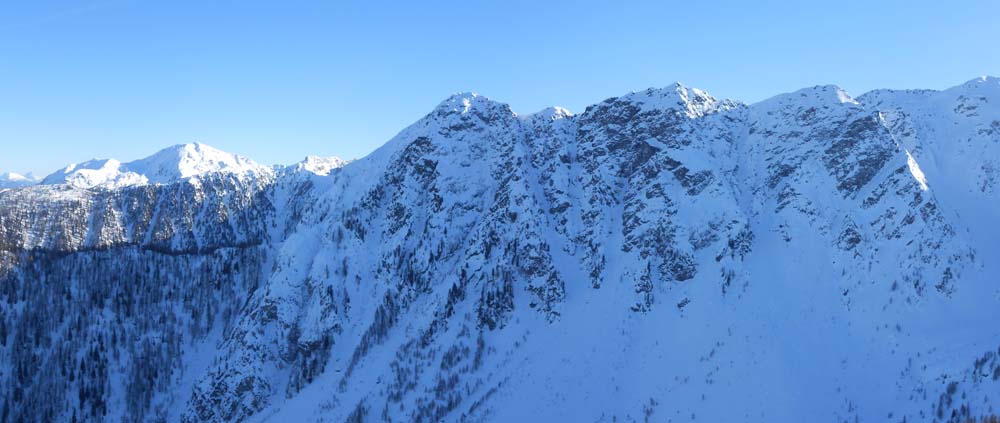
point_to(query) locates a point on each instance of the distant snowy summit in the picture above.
(179, 162)
(15, 180)
(319, 165)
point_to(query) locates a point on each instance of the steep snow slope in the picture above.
(954, 135)
(661, 256)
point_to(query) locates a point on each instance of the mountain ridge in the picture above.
(663, 255)
(465, 102)
(14, 180)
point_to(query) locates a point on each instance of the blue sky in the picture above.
(278, 80)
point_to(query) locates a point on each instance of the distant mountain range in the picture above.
(661, 256)
(15, 180)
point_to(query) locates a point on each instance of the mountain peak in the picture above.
(11, 176)
(187, 160)
(985, 79)
(321, 165)
(550, 114)
(825, 93)
(466, 102)
(458, 102)
(691, 101)
(178, 162)
(815, 96)
(987, 83)
(14, 180)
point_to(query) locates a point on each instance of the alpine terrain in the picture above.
(662, 256)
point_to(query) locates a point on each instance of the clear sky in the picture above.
(278, 80)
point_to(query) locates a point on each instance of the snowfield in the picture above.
(660, 256)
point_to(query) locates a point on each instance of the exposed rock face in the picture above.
(663, 255)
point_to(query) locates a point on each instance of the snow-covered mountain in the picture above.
(320, 165)
(16, 180)
(661, 256)
(180, 162)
